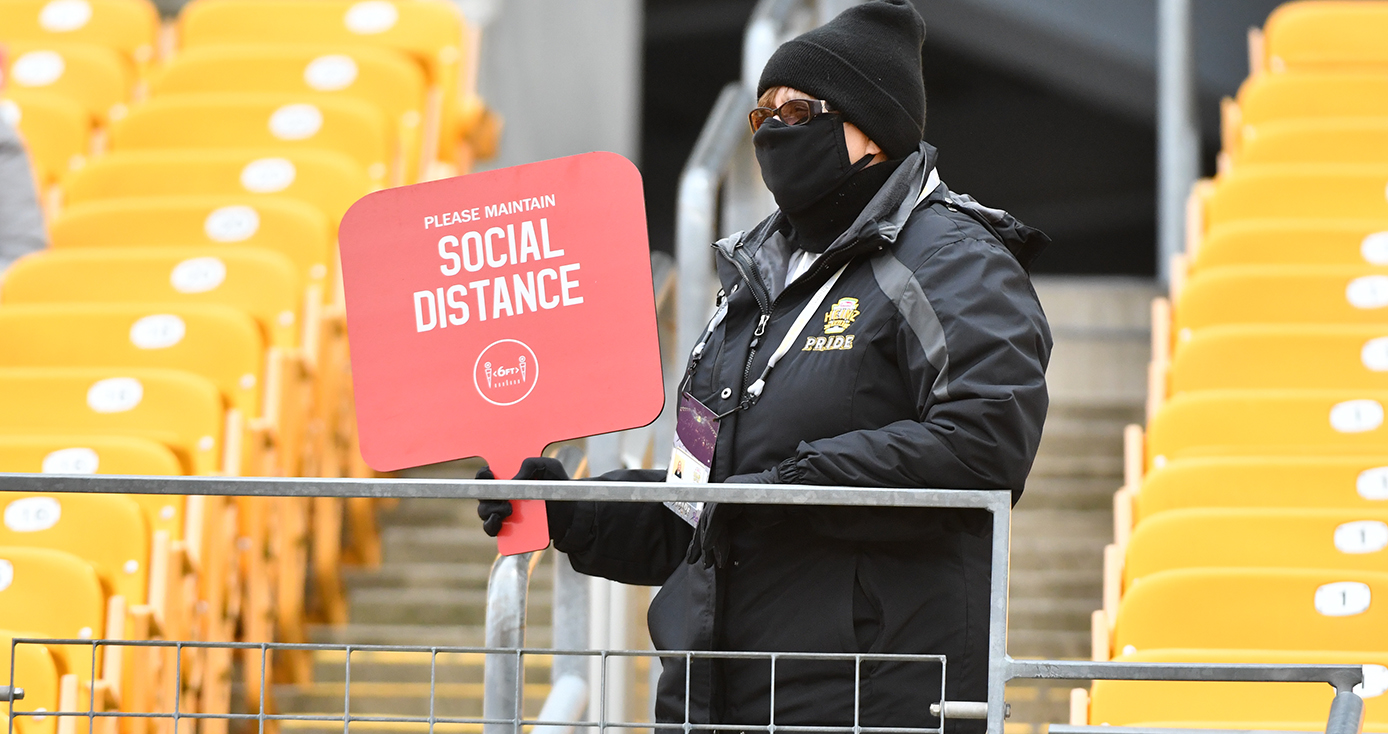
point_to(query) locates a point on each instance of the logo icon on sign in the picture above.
(505, 372)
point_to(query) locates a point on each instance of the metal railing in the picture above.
(1178, 129)
(720, 188)
(504, 676)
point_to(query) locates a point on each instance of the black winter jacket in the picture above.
(939, 382)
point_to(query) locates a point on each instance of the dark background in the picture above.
(1084, 174)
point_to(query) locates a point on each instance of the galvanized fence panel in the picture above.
(1345, 716)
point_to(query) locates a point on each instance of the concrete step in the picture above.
(1095, 414)
(1056, 583)
(420, 634)
(1096, 301)
(1064, 492)
(397, 699)
(375, 666)
(1090, 467)
(1080, 445)
(1071, 523)
(434, 576)
(1059, 552)
(443, 544)
(418, 511)
(434, 606)
(1068, 615)
(378, 727)
(1049, 644)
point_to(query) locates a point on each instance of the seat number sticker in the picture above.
(1343, 599)
(1363, 536)
(1356, 416)
(32, 514)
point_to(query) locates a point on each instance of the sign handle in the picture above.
(526, 530)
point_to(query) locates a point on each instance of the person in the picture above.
(923, 365)
(21, 217)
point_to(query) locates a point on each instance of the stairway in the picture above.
(430, 590)
(1097, 381)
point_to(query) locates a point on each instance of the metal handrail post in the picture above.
(1178, 131)
(765, 28)
(503, 676)
(696, 211)
(997, 615)
(569, 695)
(1346, 714)
(697, 206)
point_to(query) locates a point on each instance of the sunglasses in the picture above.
(794, 112)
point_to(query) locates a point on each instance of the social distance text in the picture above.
(492, 280)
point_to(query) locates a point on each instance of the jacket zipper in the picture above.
(749, 272)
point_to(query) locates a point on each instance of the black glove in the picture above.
(786, 472)
(711, 542)
(559, 514)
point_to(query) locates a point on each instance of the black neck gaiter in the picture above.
(815, 228)
(817, 187)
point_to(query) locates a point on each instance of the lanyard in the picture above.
(793, 335)
(932, 182)
(754, 391)
(698, 353)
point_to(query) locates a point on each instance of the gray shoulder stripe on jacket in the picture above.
(900, 285)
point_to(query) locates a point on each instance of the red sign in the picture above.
(493, 314)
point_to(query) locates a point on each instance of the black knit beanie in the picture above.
(866, 63)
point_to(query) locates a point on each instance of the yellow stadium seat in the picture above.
(330, 181)
(1357, 483)
(106, 530)
(1268, 97)
(382, 77)
(1288, 357)
(127, 26)
(432, 33)
(91, 76)
(37, 672)
(178, 409)
(260, 282)
(218, 342)
(79, 454)
(1282, 294)
(1295, 706)
(1298, 191)
(68, 454)
(1327, 36)
(258, 120)
(1254, 608)
(1345, 540)
(1294, 242)
(36, 579)
(1267, 422)
(291, 227)
(110, 533)
(429, 32)
(54, 129)
(1336, 140)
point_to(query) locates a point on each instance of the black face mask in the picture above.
(801, 164)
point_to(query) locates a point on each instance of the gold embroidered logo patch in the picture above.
(841, 316)
(842, 342)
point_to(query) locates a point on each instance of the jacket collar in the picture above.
(915, 183)
(881, 219)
